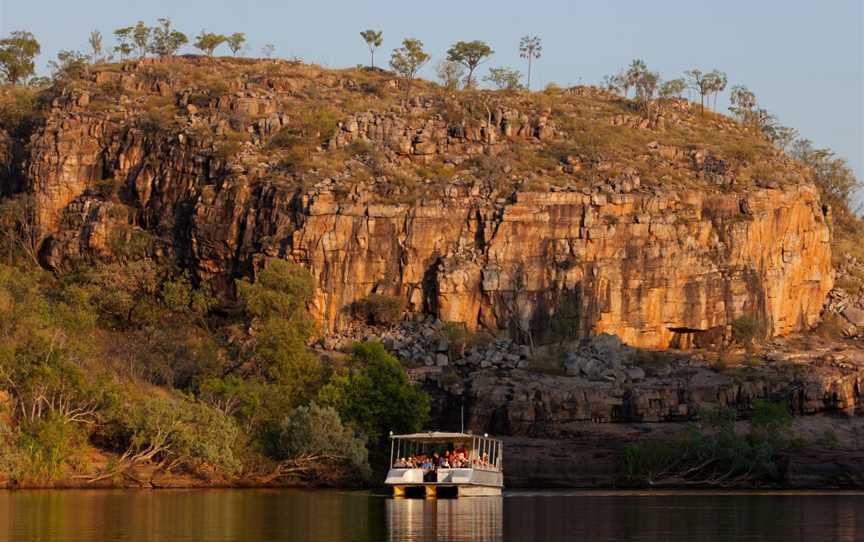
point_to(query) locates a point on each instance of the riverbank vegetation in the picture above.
(128, 366)
(716, 451)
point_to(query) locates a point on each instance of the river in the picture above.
(324, 516)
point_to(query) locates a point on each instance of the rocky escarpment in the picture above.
(570, 430)
(656, 270)
(186, 171)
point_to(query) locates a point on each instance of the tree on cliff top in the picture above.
(373, 39)
(69, 65)
(672, 88)
(165, 41)
(831, 174)
(530, 48)
(408, 59)
(16, 56)
(706, 84)
(236, 42)
(95, 41)
(124, 45)
(208, 42)
(449, 73)
(470, 54)
(504, 78)
(141, 37)
(635, 72)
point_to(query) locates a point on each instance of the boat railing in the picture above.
(421, 451)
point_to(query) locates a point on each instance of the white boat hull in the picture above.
(467, 482)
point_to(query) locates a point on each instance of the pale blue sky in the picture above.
(803, 58)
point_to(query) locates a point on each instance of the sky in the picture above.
(804, 59)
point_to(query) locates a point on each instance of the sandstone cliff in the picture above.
(499, 211)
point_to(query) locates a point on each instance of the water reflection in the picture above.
(475, 519)
(325, 516)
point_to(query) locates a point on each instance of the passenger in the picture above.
(460, 460)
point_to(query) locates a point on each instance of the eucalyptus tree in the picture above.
(504, 78)
(125, 45)
(530, 48)
(717, 82)
(95, 41)
(208, 42)
(635, 71)
(165, 40)
(645, 86)
(373, 39)
(408, 59)
(449, 73)
(700, 82)
(141, 37)
(743, 103)
(672, 88)
(236, 42)
(470, 54)
(16, 56)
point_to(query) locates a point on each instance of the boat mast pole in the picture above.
(391, 449)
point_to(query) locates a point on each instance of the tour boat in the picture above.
(420, 463)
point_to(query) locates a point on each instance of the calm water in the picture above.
(264, 515)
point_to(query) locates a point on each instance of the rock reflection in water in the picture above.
(470, 519)
(333, 516)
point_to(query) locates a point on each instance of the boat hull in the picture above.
(451, 482)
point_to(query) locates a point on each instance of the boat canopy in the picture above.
(436, 436)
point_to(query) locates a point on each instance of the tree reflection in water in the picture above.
(468, 519)
(334, 516)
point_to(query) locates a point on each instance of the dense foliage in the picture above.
(138, 364)
(715, 451)
(373, 393)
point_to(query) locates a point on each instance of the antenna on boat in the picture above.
(462, 416)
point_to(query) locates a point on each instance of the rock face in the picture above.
(657, 271)
(658, 267)
(570, 431)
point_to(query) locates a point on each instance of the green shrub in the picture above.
(182, 297)
(173, 430)
(158, 114)
(308, 128)
(112, 88)
(313, 440)
(46, 444)
(380, 309)
(747, 330)
(713, 452)
(17, 107)
(375, 395)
